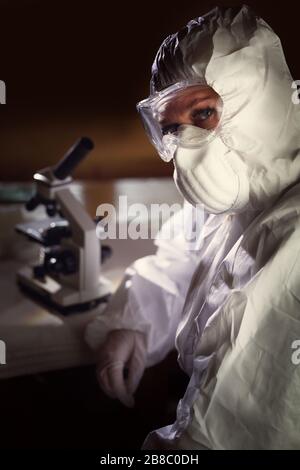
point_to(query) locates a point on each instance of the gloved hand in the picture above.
(121, 364)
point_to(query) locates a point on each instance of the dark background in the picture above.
(67, 410)
(79, 67)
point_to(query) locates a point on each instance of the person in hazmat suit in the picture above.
(221, 109)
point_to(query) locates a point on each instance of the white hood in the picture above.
(241, 57)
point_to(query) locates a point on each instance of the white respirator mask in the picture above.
(207, 172)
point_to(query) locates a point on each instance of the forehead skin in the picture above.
(180, 108)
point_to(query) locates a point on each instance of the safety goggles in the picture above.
(160, 110)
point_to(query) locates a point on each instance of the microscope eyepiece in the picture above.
(72, 158)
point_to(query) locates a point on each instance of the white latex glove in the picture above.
(121, 364)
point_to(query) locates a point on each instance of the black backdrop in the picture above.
(98, 53)
(68, 62)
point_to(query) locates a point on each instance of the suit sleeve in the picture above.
(151, 296)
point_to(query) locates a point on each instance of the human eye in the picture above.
(170, 129)
(203, 114)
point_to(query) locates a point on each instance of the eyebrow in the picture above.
(197, 100)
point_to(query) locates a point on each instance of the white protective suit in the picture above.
(232, 302)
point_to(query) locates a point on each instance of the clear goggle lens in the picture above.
(186, 102)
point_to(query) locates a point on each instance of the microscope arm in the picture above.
(84, 236)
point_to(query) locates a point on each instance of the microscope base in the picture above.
(49, 293)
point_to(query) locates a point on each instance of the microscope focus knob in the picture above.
(61, 262)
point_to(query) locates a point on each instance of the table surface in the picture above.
(38, 339)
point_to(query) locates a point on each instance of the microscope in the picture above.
(68, 275)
